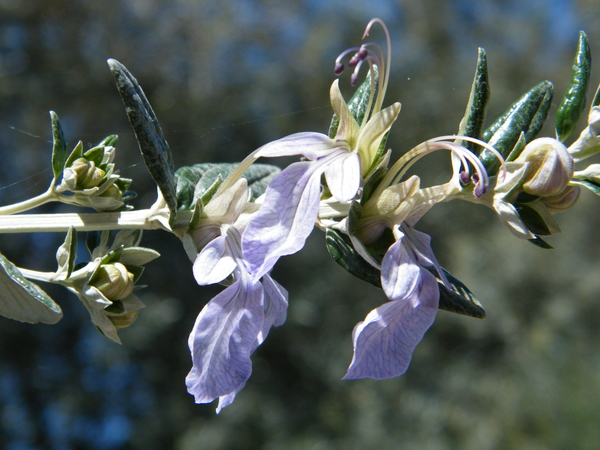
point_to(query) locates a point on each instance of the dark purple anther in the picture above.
(464, 178)
(338, 69)
(362, 53)
(479, 189)
(354, 61)
(353, 79)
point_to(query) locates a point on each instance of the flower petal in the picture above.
(347, 127)
(343, 176)
(286, 217)
(310, 145)
(385, 341)
(371, 134)
(399, 271)
(214, 263)
(223, 338)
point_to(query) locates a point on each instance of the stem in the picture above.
(31, 203)
(47, 277)
(30, 223)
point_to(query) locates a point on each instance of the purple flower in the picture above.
(235, 322)
(385, 340)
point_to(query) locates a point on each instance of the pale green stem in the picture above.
(47, 277)
(31, 203)
(30, 223)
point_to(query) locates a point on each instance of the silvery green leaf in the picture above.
(194, 182)
(573, 102)
(59, 146)
(504, 133)
(151, 140)
(472, 123)
(22, 300)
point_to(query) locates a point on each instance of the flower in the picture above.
(291, 203)
(385, 340)
(410, 274)
(235, 322)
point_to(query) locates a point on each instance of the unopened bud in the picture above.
(113, 192)
(113, 280)
(86, 174)
(123, 320)
(563, 201)
(550, 167)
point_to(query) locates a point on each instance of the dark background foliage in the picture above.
(225, 77)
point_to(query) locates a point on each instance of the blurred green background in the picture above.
(225, 77)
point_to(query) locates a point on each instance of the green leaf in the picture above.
(573, 102)
(504, 133)
(594, 187)
(472, 123)
(533, 220)
(459, 299)
(59, 146)
(193, 182)
(342, 252)
(22, 300)
(151, 140)
(539, 242)
(596, 101)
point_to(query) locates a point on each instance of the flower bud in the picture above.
(112, 192)
(86, 174)
(550, 167)
(123, 320)
(113, 280)
(563, 201)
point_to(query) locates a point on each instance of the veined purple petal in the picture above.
(224, 336)
(385, 341)
(400, 272)
(343, 176)
(214, 263)
(275, 309)
(420, 244)
(310, 145)
(286, 217)
(276, 304)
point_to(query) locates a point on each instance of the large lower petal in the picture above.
(385, 341)
(275, 309)
(224, 336)
(286, 217)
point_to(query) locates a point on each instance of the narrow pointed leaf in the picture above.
(474, 118)
(22, 300)
(345, 255)
(66, 253)
(459, 299)
(151, 140)
(504, 133)
(59, 146)
(573, 102)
